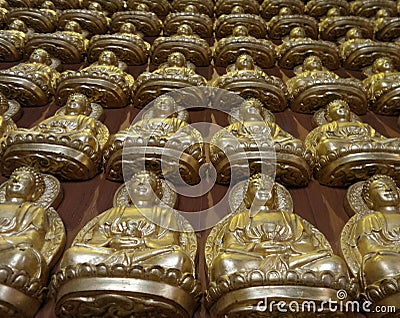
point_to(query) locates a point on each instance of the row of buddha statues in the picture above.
(138, 258)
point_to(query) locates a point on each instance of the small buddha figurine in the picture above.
(315, 86)
(175, 73)
(31, 83)
(386, 26)
(250, 81)
(71, 43)
(319, 8)
(31, 238)
(262, 244)
(346, 149)
(226, 7)
(252, 132)
(160, 7)
(163, 134)
(383, 86)
(227, 50)
(369, 8)
(72, 137)
(297, 48)
(13, 41)
(104, 82)
(271, 8)
(280, 25)
(370, 239)
(358, 53)
(127, 44)
(335, 25)
(195, 49)
(142, 237)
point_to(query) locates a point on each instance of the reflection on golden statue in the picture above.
(369, 8)
(250, 81)
(345, 149)
(104, 82)
(4, 12)
(320, 8)
(248, 143)
(271, 8)
(162, 133)
(145, 21)
(195, 49)
(335, 25)
(387, 27)
(127, 44)
(383, 87)
(68, 45)
(176, 73)
(9, 108)
(31, 83)
(314, 87)
(262, 249)
(12, 41)
(227, 50)
(280, 25)
(42, 20)
(32, 237)
(370, 239)
(298, 47)
(68, 145)
(358, 52)
(160, 7)
(226, 7)
(142, 250)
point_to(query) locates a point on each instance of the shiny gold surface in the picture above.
(12, 41)
(368, 8)
(320, 8)
(387, 28)
(270, 8)
(230, 6)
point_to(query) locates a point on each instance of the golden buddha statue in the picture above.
(160, 7)
(227, 50)
(225, 24)
(358, 52)
(201, 6)
(346, 149)
(144, 247)
(31, 83)
(250, 81)
(145, 21)
(200, 22)
(387, 27)
(319, 8)
(162, 141)
(335, 25)
(271, 251)
(13, 41)
(104, 82)
(280, 25)
(251, 138)
(383, 86)
(271, 8)
(68, 145)
(32, 237)
(226, 7)
(69, 45)
(127, 44)
(195, 49)
(42, 20)
(176, 73)
(370, 239)
(369, 8)
(298, 47)
(314, 87)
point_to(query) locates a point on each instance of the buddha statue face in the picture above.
(383, 65)
(95, 6)
(176, 59)
(338, 110)
(260, 192)
(128, 27)
(382, 13)
(380, 192)
(145, 187)
(191, 9)
(250, 111)
(333, 12)
(73, 26)
(164, 106)
(312, 63)
(354, 33)
(245, 62)
(25, 184)
(184, 29)
(240, 30)
(297, 33)
(18, 25)
(77, 104)
(40, 56)
(142, 7)
(285, 11)
(237, 10)
(108, 58)
(48, 5)
(3, 104)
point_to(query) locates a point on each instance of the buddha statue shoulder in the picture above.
(370, 239)
(72, 141)
(263, 236)
(141, 241)
(12, 41)
(32, 237)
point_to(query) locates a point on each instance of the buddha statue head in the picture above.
(240, 30)
(95, 6)
(176, 59)
(297, 33)
(250, 110)
(18, 25)
(144, 189)
(237, 10)
(73, 26)
(244, 62)
(261, 192)
(354, 33)
(191, 9)
(164, 106)
(338, 110)
(128, 27)
(77, 104)
(142, 7)
(380, 193)
(382, 13)
(333, 12)
(48, 5)
(285, 11)
(40, 56)
(108, 58)
(383, 65)
(184, 29)
(3, 104)
(312, 63)
(25, 185)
